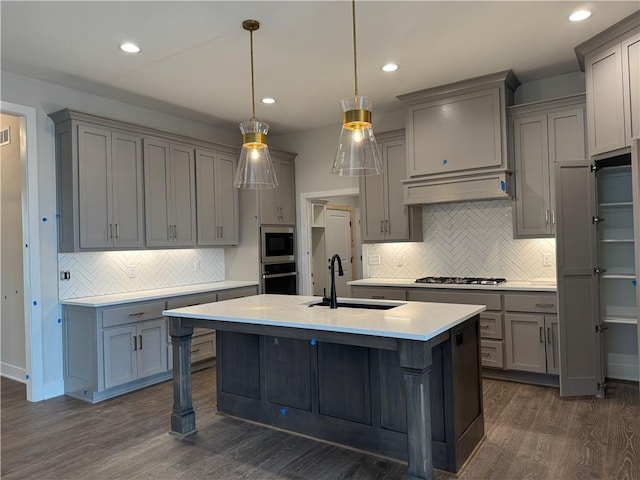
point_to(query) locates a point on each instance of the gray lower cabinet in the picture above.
(379, 293)
(542, 133)
(216, 198)
(531, 332)
(170, 202)
(113, 350)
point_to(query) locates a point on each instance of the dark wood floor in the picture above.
(531, 433)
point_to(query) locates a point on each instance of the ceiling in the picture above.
(195, 55)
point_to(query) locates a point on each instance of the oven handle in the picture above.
(279, 275)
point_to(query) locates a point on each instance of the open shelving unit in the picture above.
(616, 260)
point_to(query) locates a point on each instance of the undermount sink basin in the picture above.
(325, 303)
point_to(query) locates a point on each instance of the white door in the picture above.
(338, 240)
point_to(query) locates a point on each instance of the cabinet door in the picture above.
(460, 133)
(397, 214)
(551, 334)
(156, 192)
(226, 200)
(372, 204)
(531, 149)
(287, 197)
(605, 100)
(119, 350)
(525, 342)
(94, 187)
(127, 200)
(182, 194)
(269, 201)
(631, 82)
(578, 305)
(152, 347)
(208, 231)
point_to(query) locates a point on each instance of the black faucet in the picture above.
(333, 301)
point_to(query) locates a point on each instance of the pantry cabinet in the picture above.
(170, 203)
(611, 62)
(100, 185)
(216, 198)
(277, 206)
(384, 216)
(542, 133)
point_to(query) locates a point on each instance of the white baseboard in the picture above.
(53, 389)
(620, 371)
(14, 373)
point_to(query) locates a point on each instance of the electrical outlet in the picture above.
(546, 259)
(65, 275)
(374, 259)
(196, 265)
(399, 260)
(131, 271)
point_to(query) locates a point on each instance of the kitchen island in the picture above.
(400, 379)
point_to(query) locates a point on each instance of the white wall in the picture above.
(47, 98)
(13, 359)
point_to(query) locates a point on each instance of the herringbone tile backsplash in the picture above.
(467, 239)
(102, 273)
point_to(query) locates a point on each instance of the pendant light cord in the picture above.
(355, 55)
(253, 95)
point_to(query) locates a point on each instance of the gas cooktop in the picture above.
(462, 280)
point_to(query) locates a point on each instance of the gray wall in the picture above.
(47, 98)
(551, 87)
(12, 325)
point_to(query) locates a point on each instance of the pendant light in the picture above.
(255, 168)
(357, 149)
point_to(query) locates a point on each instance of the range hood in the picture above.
(457, 141)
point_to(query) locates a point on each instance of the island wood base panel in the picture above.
(357, 395)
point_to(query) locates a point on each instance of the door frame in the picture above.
(34, 371)
(352, 252)
(305, 285)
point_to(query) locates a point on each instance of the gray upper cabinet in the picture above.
(542, 133)
(169, 177)
(100, 186)
(216, 198)
(385, 218)
(611, 62)
(277, 206)
(457, 140)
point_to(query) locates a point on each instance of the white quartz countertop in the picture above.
(159, 293)
(407, 320)
(546, 285)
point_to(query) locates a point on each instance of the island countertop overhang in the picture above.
(420, 321)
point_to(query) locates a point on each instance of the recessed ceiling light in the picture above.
(268, 100)
(390, 67)
(579, 15)
(130, 47)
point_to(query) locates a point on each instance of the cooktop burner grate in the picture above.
(462, 280)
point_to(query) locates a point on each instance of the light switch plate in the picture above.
(546, 259)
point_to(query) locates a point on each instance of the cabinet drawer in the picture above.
(203, 347)
(237, 293)
(491, 300)
(491, 354)
(132, 313)
(198, 332)
(189, 300)
(544, 303)
(379, 293)
(491, 325)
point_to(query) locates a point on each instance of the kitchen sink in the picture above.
(325, 303)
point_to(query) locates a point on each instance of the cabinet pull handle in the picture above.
(546, 216)
(379, 297)
(484, 326)
(137, 314)
(221, 232)
(541, 335)
(135, 343)
(386, 226)
(175, 232)
(548, 334)
(553, 217)
(195, 350)
(545, 305)
(110, 236)
(117, 231)
(381, 226)
(485, 354)
(140, 337)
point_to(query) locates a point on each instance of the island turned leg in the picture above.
(415, 363)
(183, 418)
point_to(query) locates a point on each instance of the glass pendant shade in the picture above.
(255, 168)
(357, 148)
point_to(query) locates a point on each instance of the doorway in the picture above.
(26, 336)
